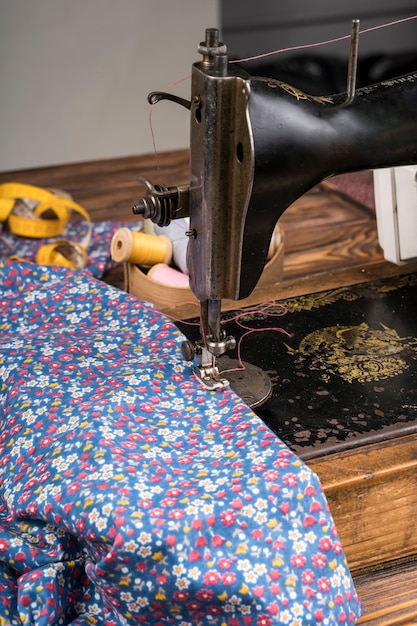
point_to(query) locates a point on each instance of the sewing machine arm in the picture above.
(256, 145)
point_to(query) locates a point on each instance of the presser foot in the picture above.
(206, 371)
(210, 380)
(248, 381)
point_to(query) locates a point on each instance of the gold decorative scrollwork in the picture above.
(312, 301)
(295, 92)
(356, 353)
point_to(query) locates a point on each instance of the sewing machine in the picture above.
(256, 145)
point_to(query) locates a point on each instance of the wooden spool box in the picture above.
(174, 300)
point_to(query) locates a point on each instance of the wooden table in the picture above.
(371, 490)
(323, 248)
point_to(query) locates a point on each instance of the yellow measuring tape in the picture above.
(41, 213)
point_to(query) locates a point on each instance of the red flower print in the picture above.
(281, 463)
(205, 595)
(129, 445)
(135, 456)
(215, 610)
(24, 497)
(145, 504)
(315, 506)
(33, 508)
(217, 541)
(176, 514)
(180, 596)
(285, 453)
(200, 541)
(308, 577)
(46, 442)
(319, 560)
(298, 560)
(325, 544)
(211, 577)
(264, 620)
(275, 574)
(106, 442)
(185, 459)
(290, 480)
(146, 407)
(323, 584)
(229, 578)
(169, 502)
(197, 524)
(4, 545)
(228, 518)
(271, 475)
(134, 437)
(261, 467)
(30, 483)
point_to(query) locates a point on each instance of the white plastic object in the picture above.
(395, 191)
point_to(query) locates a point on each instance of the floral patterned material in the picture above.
(131, 495)
(99, 259)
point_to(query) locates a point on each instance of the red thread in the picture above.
(158, 167)
(260, 309)
(323, 43)
(267, 54)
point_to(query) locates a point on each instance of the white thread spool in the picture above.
(176, 232)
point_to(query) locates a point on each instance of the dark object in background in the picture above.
(325, 75)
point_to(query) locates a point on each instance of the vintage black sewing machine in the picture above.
(256, 145)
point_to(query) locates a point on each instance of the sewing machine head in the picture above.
(256, 145)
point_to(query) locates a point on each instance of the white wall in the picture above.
(75, 74)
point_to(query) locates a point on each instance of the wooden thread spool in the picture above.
(140, 248)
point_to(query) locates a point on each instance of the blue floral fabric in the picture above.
(129, 494)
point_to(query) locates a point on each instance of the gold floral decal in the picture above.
(356, 353)
(312, 301)
(295, 92)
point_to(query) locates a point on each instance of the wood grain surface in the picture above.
(327, 233)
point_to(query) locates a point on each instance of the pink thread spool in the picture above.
(165, 275)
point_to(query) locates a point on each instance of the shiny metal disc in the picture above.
(251, 384)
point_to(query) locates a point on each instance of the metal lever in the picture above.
(156, 96)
